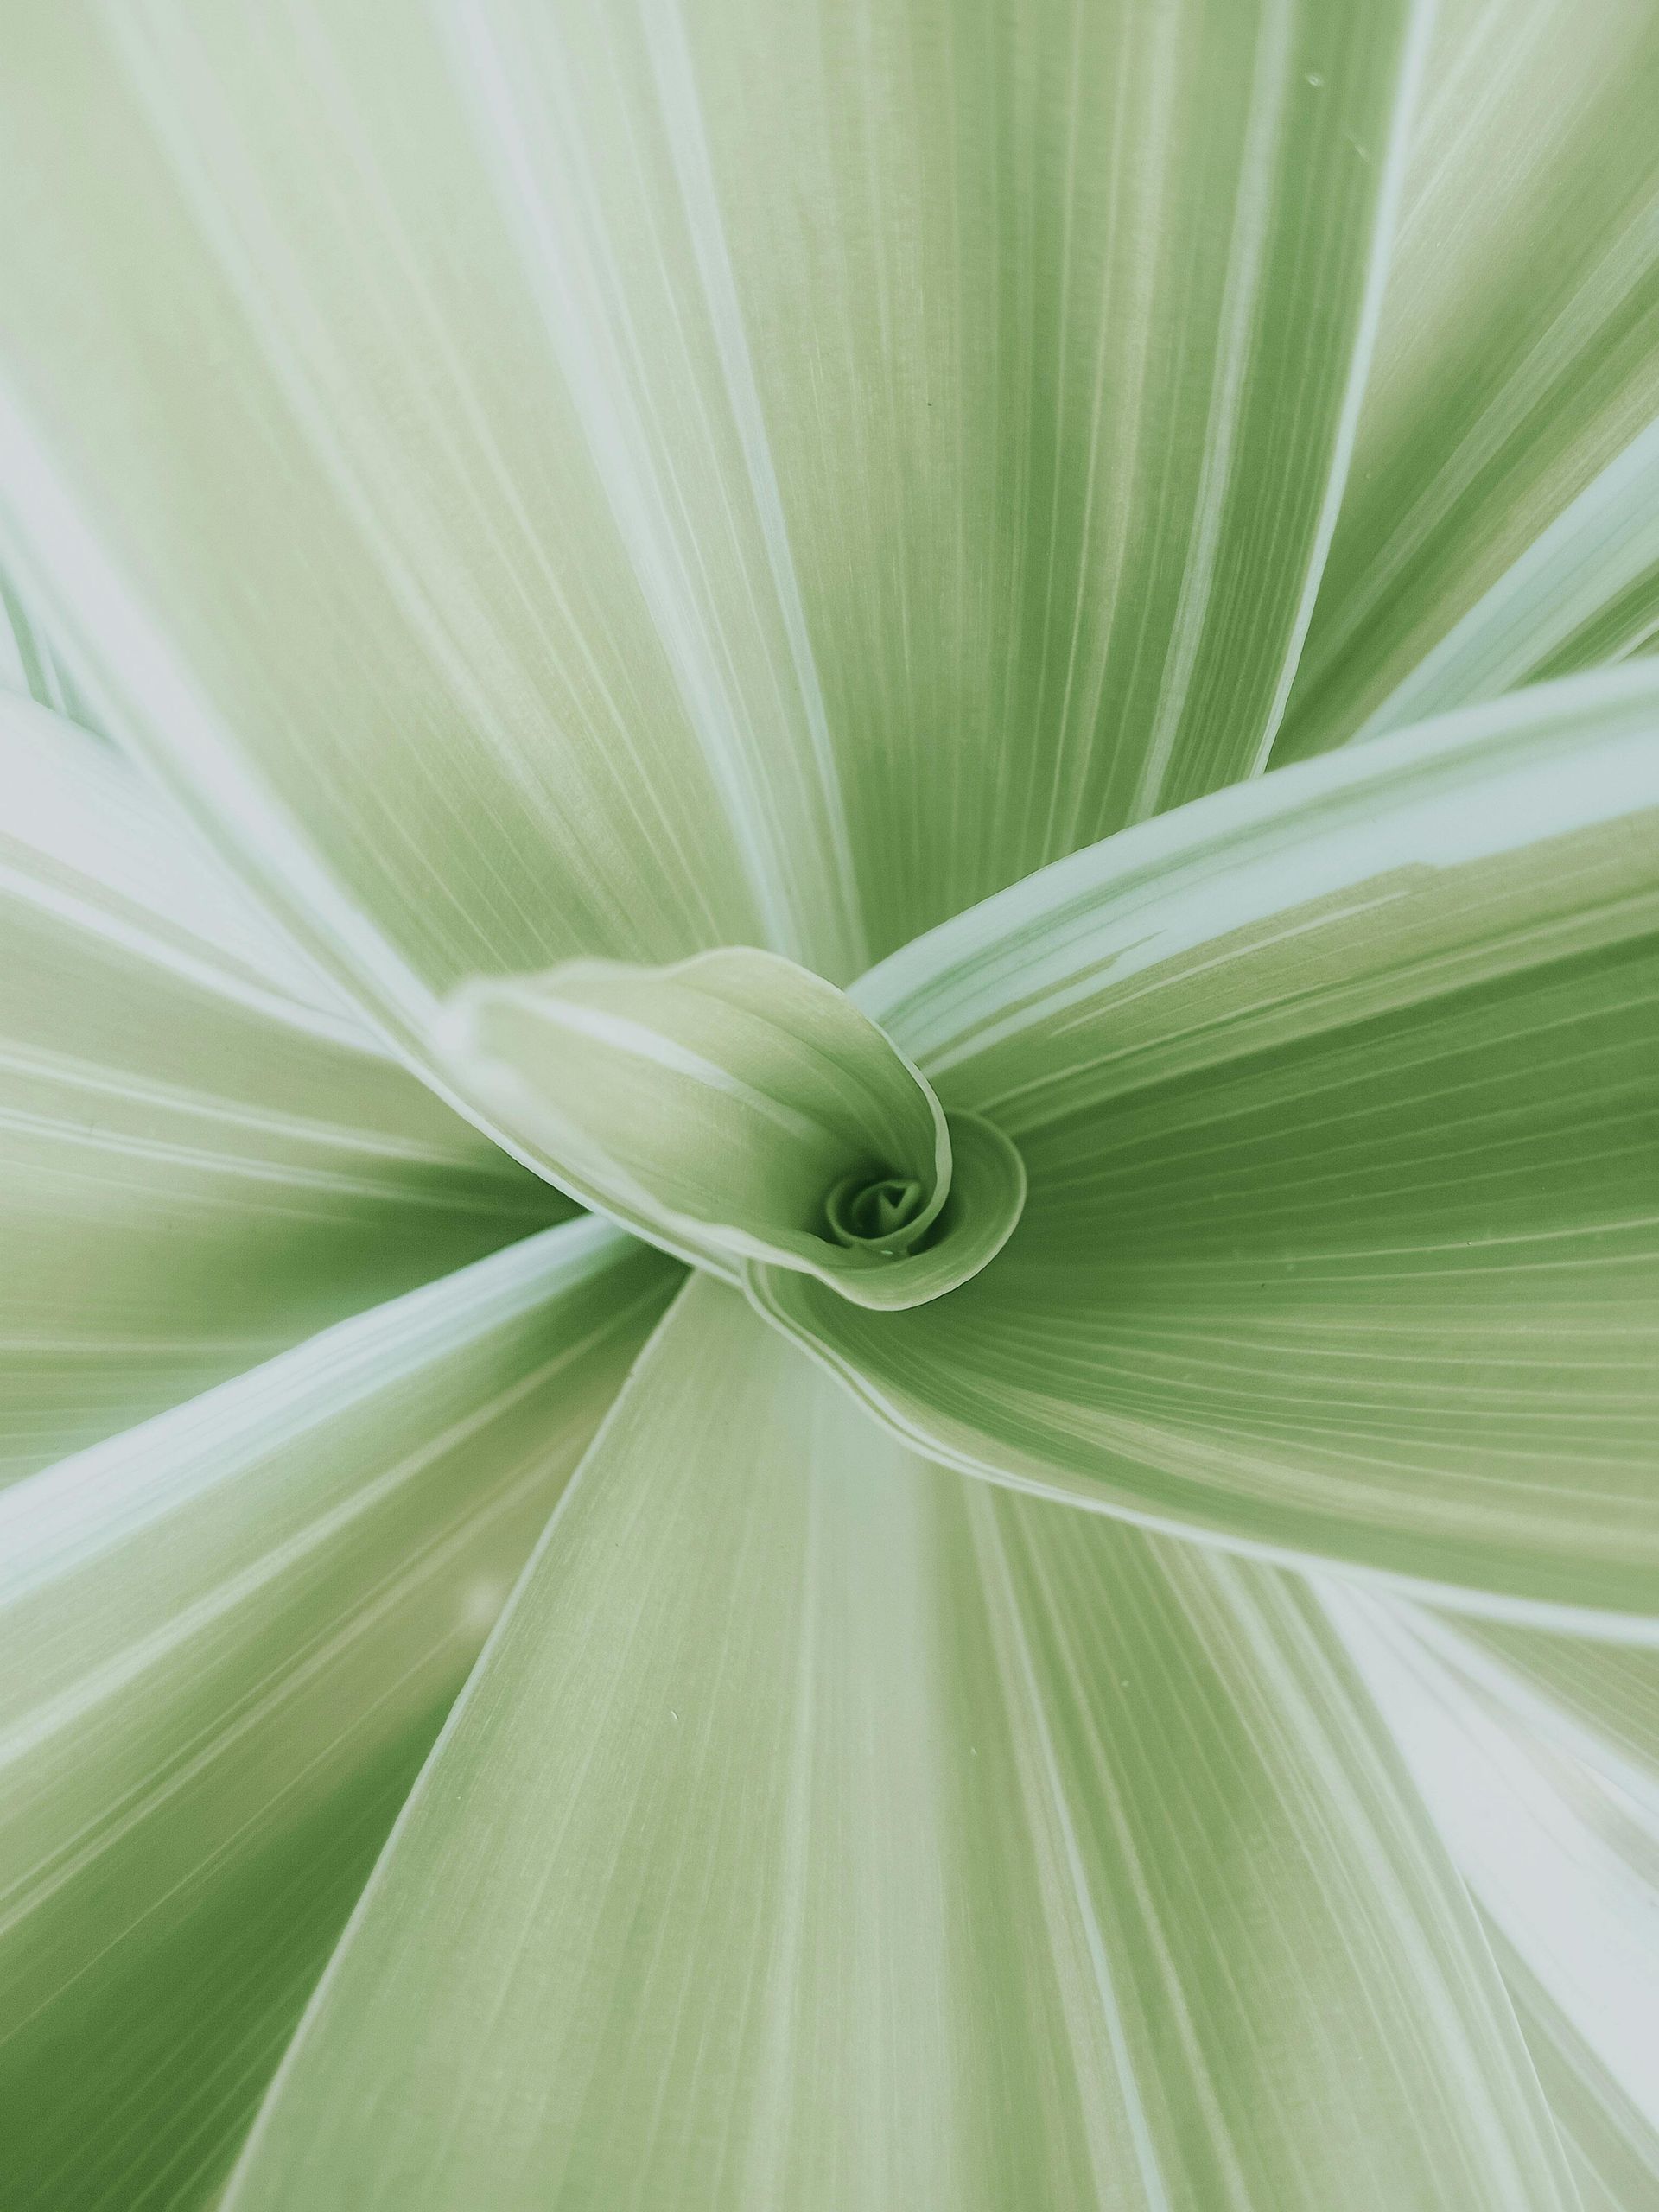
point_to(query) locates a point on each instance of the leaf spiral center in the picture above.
(885, 1215)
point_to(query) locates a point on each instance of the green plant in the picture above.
(979, 672)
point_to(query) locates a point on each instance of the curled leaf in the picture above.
(742, 1111)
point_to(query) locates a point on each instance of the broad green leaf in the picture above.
(821, 1830)
(737, 1107)
(1515, 374)
(1611, 2144)
(203, 1157)
(1557, 1838)
(1587, 590)
(226, 1640)
(1336, 1097)
(547, 482)
(88, 833)
(1608, 1692)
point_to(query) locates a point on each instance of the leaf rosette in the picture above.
(744, 1113)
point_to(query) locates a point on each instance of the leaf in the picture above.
(559, 483)
(204, 1156)
(1586, 591)
(1611, 2147)
(1557, 1835)
(1335, 1095)
(226, 1640)
(822, 1830)
(1518, 360)
(737, 1107)
(1599, 1700)
(29, 666)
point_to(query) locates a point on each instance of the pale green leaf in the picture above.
(29, 665)
(1557, 1835)
(1587, 590)
(1611, 2145)
(226, 1640)
(555, 481)
(1607, 1692)
(824, 1830)
(1517, 360)
(1336, 1097)
(203, 1156)
(737, 1107)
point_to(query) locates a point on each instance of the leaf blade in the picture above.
(837, 1853)
(204, 1155)
(606, 553)
(228, 1638)
(1334, 1096)
(1519, 356)
(1554, 1831)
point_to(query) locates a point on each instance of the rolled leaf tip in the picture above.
(743, 1112)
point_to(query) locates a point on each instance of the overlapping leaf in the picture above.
(822, 1829)
(1586, 591)
(1497, 525)
(645, 560)
(226, 1640)
(544, 482)
(203, 1155)
(29, 665)
(1336, 1097)
(1555, 1828)
(737, 1109)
